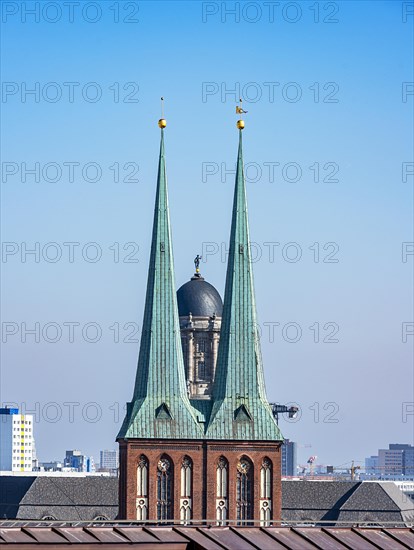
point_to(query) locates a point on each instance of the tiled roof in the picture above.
(210, 538)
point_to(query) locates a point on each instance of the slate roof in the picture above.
(13, 490)
(63, 498)
(345, 501)
(210, 538)
(84, 499)
(380, 503)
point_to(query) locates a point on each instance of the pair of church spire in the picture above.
(160, 407)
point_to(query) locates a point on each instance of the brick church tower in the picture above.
(212, 455)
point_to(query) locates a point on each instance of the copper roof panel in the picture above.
(319, 538)
(258, 537)
(137, 534)
(380, 538)
(44, 534)
(76, 535)
(289, 538)
(228, 538)
(403, 535)
(197, 535)
(166, 534)
(106, 534)
(352, 539)
(15, 534)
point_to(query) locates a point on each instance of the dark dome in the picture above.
(199, 298)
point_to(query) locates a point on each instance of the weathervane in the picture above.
(162, 123)
(240, 111)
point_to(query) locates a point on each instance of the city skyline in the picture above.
(334, 258)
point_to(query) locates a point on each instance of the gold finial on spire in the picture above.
(162, 123)
(240, 111)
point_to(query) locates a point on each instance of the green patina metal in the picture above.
(240, 408)
(160, 407)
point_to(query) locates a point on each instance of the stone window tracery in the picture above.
(222, 473)
(244, 491)
(165, 485)
(265, 492)
(142, 488)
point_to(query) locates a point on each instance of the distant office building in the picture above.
(390, 461)
(16, 441)
(372, 466)
(395, 462)
(109, 459)
(408, 461)
(78, 462)
(407, 457)
(289, 458)
(74, 460)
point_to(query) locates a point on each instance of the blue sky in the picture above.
(322, 94)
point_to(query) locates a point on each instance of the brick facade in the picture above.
(204, 456)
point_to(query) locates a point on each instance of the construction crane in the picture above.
(278, 409)
(353, 469)
(334, 469)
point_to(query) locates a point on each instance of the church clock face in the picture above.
(243, 466)
(163, 465)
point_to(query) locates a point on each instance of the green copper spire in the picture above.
(240, 408)
(160, 407)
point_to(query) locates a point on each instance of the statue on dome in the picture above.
(197, 263)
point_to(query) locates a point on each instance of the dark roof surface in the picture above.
(315, 502)
(212, 538)
(12, 490)
(316, 494)
(345, 501)
(62, 498)
(199, 298)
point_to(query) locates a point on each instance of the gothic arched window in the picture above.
(265, 492)
(222, 473)
(244, 491)
(186, 489)
(142, 488)
(165, 487)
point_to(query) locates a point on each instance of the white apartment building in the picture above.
(16, 441)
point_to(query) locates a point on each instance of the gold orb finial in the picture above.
(162, 123)
(240, 111)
